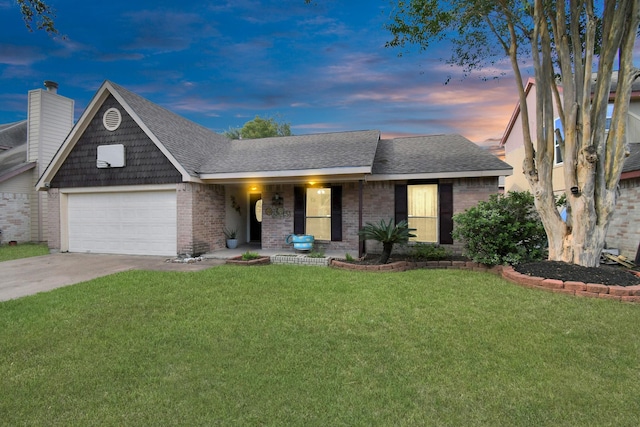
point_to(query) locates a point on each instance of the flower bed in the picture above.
(257, 261)
(593, 290)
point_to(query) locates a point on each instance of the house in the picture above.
(26, 148)
(624, 229)
(135, 178)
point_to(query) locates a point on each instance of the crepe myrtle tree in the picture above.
(573, 46)
(39, 11)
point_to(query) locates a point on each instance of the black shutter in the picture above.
(298, 210)
(445, 195)
(401, 204)
(336, 214)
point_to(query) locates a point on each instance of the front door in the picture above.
(255, 227)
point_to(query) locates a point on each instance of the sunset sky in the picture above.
(322, 68)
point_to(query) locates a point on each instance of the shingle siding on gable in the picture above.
(145, 163)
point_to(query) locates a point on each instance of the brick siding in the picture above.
(624, 229)
(378, 203)
(201, 218)
(278, 225)
(15, 214)
(53, 218)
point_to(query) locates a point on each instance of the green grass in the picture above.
(22, 250)
(276, 345)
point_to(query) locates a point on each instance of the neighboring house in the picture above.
(624, 231)
(134, 178)
(26, 148)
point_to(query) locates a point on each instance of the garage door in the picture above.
(136, 223)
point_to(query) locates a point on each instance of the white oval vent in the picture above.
(112, 119)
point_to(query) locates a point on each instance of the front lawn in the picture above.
(22, 250)
(284, 345)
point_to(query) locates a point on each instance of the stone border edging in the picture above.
(258, 261)
(407, 265)
(300, 260)
(593, 290)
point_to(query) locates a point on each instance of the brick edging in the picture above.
(594, 290)
(258, 261)
(407, 265)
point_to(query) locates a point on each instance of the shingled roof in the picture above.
(13, 154)
(348, 150)
(13, 134)
(189, 143)
(632, 163)
(203, 155)
(435, 155)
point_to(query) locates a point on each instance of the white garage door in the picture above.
(136, 223)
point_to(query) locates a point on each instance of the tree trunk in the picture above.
(386, 252)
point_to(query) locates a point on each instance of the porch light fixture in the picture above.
(277, 200)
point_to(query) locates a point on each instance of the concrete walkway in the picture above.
(28, 276)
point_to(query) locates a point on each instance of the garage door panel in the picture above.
(137, 223)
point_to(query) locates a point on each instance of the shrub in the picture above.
(428, 251)
(248, 256)
(316, 254)
(504, 230)
(388, 234)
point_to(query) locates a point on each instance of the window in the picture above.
(609, 115)
(318, 213)
(428, 207)
(557, 158)
(557, 124)
(422, 212)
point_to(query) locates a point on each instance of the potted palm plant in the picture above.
(231, 234)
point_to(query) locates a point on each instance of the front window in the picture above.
(318, 213)
(423, 212)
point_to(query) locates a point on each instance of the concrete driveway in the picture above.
(29, 276)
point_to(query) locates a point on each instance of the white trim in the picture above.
(328, 174)
(118, 189)
(440, 175)
(108, 119)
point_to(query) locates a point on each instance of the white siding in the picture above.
(50, 121)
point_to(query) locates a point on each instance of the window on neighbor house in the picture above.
(557, 124)
(422, 201)
(557, 158)
(318, 213)
(609, 115)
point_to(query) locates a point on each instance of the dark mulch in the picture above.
(605, 274)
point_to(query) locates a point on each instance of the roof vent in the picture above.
(112, 119)
(51, 86)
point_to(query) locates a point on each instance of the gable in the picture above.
(145, 163)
